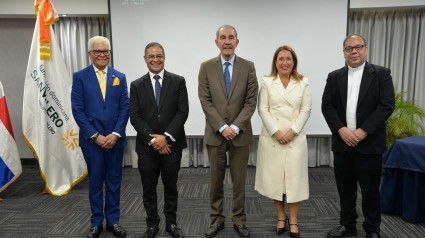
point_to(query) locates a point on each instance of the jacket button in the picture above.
(159, 116)
(104, 107)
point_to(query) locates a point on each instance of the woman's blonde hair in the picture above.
(297, 76)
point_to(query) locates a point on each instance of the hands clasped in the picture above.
(160, 144)
(352, 138)
(229, 133)
(284, 138)
(106, 142)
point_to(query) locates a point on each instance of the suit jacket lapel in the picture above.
(343, 86)
(284, 93)
(109, 81)
(164, 88)
(367, 77)
(235, 73)
(220, 73)
(147, 84)
(94, 82)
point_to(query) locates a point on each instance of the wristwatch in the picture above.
(168, 139)
(94, 138)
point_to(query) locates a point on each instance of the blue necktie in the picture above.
(227, 77)
(157, 89)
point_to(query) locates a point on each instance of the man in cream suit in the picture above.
(228, 91)
(99, 100)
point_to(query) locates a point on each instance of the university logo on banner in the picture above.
(47, 124)
(10, 162)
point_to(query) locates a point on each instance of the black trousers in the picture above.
(352, 167)
(151, 166)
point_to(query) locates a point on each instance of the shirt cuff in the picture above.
(119, 136)
(150, 143)
(236, 128)
(222, 128)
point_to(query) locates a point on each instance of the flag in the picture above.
(10, 162)
(47, 122)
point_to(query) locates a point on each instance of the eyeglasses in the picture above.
(100, 52)
(152, 57)
(349, 49)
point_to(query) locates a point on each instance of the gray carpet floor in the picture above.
(25, 212)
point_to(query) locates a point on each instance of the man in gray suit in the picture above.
(228, 90)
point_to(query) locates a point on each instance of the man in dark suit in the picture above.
(356, 103)
(99, 101)
(228, 91)
(158, 111)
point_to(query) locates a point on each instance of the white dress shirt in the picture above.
(153, 81)
(105, 72)
(354, 81)
(230, 68)
(161, 76)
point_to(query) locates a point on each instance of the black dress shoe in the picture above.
(117, 230)
(342, 231)
(373, 235)
(293, 234)
(281, 230)
(213, 229)
(241, 230)
(150, 232)
(175, 231)
(95, 231)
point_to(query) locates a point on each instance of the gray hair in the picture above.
(226, 26)
(152, 44)
(353, 35)
(98, 39)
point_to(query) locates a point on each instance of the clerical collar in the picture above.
(361, 67)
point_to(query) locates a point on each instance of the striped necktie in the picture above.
(102, 83)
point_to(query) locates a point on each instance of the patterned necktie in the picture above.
(102, 83)
(227, 77)
(157, 89)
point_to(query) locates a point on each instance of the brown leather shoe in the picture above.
(241, 230)
(214, 229)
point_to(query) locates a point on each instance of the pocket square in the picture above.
(116, 82)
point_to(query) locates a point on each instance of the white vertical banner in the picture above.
(47, 124)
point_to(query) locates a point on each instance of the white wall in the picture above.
(189, 41)
(386, 3)
(19, 8)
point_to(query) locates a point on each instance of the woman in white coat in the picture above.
(282, 164)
